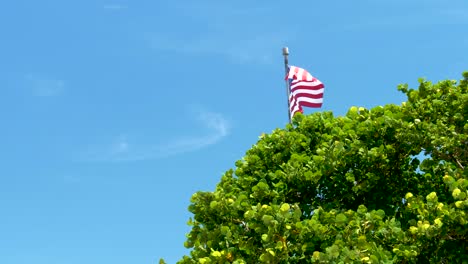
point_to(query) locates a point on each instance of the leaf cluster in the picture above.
(381, 185)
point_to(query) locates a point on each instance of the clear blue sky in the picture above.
(113, 113)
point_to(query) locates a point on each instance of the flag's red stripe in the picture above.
(293, 104)
(307, 85)
(307, 90)
(313, 105)
(313, 96)
(303, 100)
(295, 109)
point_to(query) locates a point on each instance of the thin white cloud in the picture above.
(228, 30)
(228, 11)
(44, 86)
(120, 146)
(255, 49)
(218, 125)
(124, 149)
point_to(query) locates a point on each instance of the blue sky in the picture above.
(113, 113)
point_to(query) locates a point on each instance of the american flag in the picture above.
(305, 90)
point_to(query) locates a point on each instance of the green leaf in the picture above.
(346, 189)
(285, 207)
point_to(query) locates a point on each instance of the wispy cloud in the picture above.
(120, 146)
(44, 86)
(124, 149)
(218, 125)
(228, 11)
(238, 49)
(225, 29)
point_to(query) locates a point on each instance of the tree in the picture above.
(385, 185)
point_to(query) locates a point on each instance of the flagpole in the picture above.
(286, 69)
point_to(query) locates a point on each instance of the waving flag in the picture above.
(305, 90)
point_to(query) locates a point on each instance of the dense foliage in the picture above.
(381, 185)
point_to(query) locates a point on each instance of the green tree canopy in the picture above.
(381, 185)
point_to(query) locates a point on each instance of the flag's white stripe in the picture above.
(300, 73)
(307, 91)
(309, 100)
(294, 108)
(293, 103)
(308, 84)
(292, 72)
(305, 76)
(293, 98)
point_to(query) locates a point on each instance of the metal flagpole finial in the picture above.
(285, 55)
